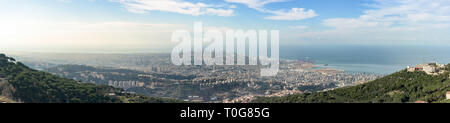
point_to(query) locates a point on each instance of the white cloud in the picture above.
(200, 8)
(255, 4)
(70, 1)
(130, 24)
(219, 28)
(353, 23)
(65, 1)
(293, 14)
(299, 27)
(220, 12)
(390, 21)
(398, 12)
(176, 6)
(407, 11)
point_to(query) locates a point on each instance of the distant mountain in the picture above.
(19, 83)
(400, 87)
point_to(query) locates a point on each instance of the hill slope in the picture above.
(6, 100)
(22, 84)
(400, 87)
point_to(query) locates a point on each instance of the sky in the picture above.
(147, 25)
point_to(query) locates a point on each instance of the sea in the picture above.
(367, 59)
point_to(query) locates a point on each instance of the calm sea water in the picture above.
(368, 59)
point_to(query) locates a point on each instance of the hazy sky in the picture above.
(146, 25)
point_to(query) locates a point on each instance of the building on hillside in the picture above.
(111, 94)
(420, 101)
(429, 68)
(448, 95)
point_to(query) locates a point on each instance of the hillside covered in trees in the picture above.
(19, 83)
(399, 87)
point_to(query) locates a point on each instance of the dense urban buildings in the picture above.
(153, 75)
